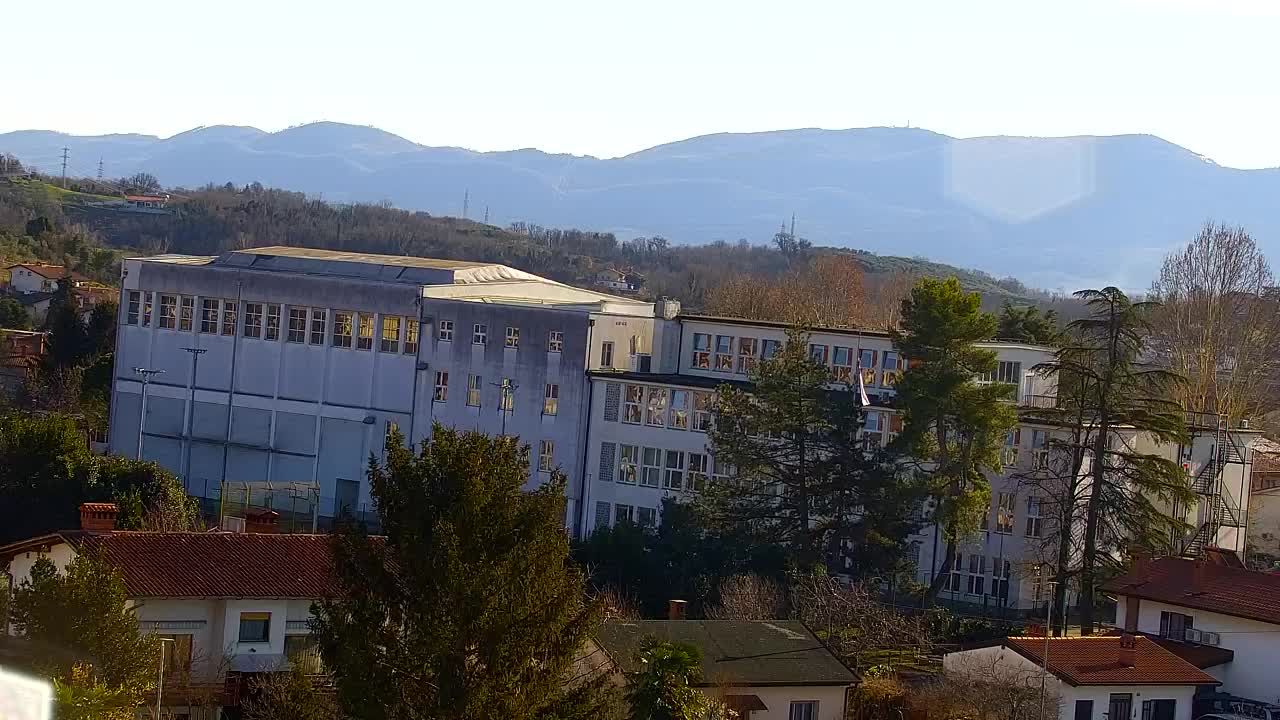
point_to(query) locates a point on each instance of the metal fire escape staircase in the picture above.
(1220, 509)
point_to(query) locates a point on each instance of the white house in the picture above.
(228, 604)
(28, 278)
(1213, 608)
(767, 670)
(1101, 677)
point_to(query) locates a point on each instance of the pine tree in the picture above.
(468, 608)
(951, 422)
(804, 477)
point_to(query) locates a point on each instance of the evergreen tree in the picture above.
(804, 477)
(468, 609)
(46, 471)
(951, 422)
(1123, 401)
(13, 315)
(1027, 324)
(67, 343)
(665, 688)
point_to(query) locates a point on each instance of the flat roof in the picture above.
(356, 257)
(848, 330)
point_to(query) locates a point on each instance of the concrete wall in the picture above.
(1101, 697)
(59, 553)
(778, 700)
(1255, 671)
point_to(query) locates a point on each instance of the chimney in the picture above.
(265, 522)
(1127, 655)
(676, 609)
(1141, 559)
(1200, 575)
(98, 517)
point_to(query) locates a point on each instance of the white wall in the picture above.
(207, 650)
(831, 700)
(1101, 697)
(1255, 671)
(20, 568)
(25, 281)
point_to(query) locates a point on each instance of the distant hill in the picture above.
(1055, 212)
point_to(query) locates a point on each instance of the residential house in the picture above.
(27, 278)
(229, 605)
(623, 281)
(1101, 677)
(767, 670)
(20, 350)
(1210, 603)
(1264, 505)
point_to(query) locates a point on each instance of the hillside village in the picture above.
(260, 453)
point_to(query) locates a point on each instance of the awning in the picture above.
(745, 703)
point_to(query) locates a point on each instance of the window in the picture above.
(229, 317)
(1004, 513)
(818, 353)
(748, 350)
(551, 399)
(895, 426)
(169, 311)
(674, 478)
(473, 390)
(623, 513)
(873, 430)
(1175, 625)
(186, 312)
(208, 315)
(479, 334)
(1039, 450)
(1163, 709)
(724, 353)
(1084, 710)
(952, 583)
(977, 574)
(652, 467)
(317, 325)
(701, 351)
(1012, 440)
(255, 627)
(253, 320)
(1120, 706)
(632, 402)
(770, 348)
(390, 335)
(507, 396)
(606, 354)
(391, 429)
(546, 456)
(441, 393)
(892, 373)
(364, 329)
(803, 710)
(629, 464)
(297, 325)
(679, 419)
(702, 404)
(842, 363)
(648, 517)
(303, 651)
(273, 322)
(722, 471)
(1006, 372)
(135, 301)
(445, 332)
(146, 309)
(411, 336)
(1001, 571)
(1034, 521)
(342, 329)
(698, 469)
(656, 410)
(867, 366)
(555, 341)
(513, 337)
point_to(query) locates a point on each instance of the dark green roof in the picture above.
(776, 652)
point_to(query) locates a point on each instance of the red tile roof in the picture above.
(1234, 591)
(1095, 660)
(218, 564)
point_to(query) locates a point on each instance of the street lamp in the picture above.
(191, 412)
(146, 375)
(504, 404)
(160, 681)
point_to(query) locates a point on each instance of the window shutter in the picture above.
(607, 461)
(612, 401)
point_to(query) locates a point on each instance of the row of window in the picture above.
(665, 407)
(668, 469)
(729, 354)
(623, 513)
(1006, 520)
(507, 393)
(975, 580)
(480, 336)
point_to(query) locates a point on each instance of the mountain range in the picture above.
(1057, 213)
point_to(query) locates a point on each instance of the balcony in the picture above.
(1042, 402)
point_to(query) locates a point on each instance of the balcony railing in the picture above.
(1042, 402)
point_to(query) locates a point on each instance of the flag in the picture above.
(862, 389)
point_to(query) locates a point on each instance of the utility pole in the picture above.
(1044, 670)
(466, 200)
(486, 214)
(99, 169)
(191, 411)
(504, 403)
(793, 226)
(65, 151)
(146, 375)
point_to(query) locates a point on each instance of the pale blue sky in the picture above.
(607, 78)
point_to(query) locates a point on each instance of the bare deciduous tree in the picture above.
(827, 291)
(1218, 324)
(854, 624)
(749, 597)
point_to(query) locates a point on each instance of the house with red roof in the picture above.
(1099, 677)
(26, 278)
(229, 604)
(1213, 612)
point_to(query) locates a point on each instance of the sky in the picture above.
(608, 78)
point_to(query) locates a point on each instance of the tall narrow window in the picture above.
(253, 320)
(748, 351)
(701, 351)
(633, 404)
(892, 369)
(442, 386)
(444, 333)
(702, 405)
(842, 361)
(724, 353)
(867, 366)
(1004, 513)
(273, 322)
(135, 307)
(555, 341)
(229, 317)
(297, 325)
(656, 411)
(513, 337)
(1034, 521)
(679, 410)
(364, 330)
(551, 399)
(342, 329)
(606, 354)
(318, 317)
(651, 471)
(411, 336)
(146, 309)
(208, 315)
(168, 311)
(474, 383)
(479, 334)
(977, 574)
(546, 456)
(673, 479)
(698, 470)
(390, 335)
(186, 313)
(629, 464)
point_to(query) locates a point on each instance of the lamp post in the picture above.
(160, 681)
(1048, 631)
(507, 387)
(191, 411)
(146, 375)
